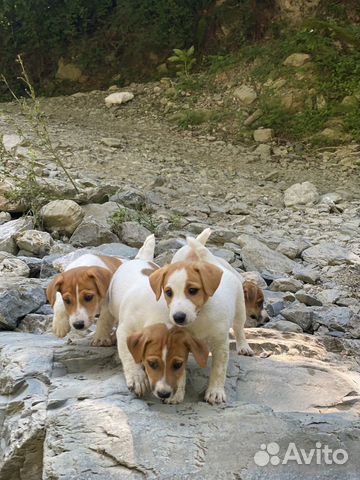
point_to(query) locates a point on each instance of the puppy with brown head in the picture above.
(78, 297)
(164, 354)
(187, 286)
(254, 302)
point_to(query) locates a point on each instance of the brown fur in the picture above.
(88, 281)
(201, 275)
(113, 263)
(254, 300)
(147, 347)
(150, 270)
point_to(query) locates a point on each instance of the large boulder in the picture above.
(328, 253)
(102, 213)
(258, 256)
(61, 216)
(301, 194)
(67, 414)
(13, 267)
(9, 232)
(18, 297)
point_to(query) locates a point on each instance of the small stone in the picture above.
(112, 142)
(253, 117)
(330, 198)
(291, 249)
(34, 242)
(263, 135)
(328, 253)
(35, 323)
(101, 213)
(9, 231)
(329, 296)
(13, 267)
(301, 194)
(130, 198)
(263, 150)
(133, 234)
(4, 217)
(307, 299)
(297, 59)
(245, 94)
(284, 326)
(92, 233)
(11, 141)
(301, 315)
(118, 98)
(61, 216)
(286, 284)
(307, 274)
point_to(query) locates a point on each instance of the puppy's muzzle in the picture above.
(179, 318)
(163, 394)
(79, 325)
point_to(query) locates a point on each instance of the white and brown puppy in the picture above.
(164, 352)
(79, 297)
(254, 297)
(208, 299)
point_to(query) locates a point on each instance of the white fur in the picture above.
(225, 309)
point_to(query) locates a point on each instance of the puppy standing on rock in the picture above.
(79, 297)
(208, 299)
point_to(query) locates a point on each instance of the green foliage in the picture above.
(127, 215)
(184, 60)
(219, 63)
(192, 118)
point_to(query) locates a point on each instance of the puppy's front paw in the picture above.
(177, 398)
(61, 329)
(245, 349)
(106, 341)
(215, 396)
(138, 383)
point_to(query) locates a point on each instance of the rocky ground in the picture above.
(65, 412)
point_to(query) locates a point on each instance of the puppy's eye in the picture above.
(177, 365)
(67, 301)
(153, 364)
(193, 291)
(169, 292)
(88, 298)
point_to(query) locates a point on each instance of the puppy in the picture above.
(79, 297)
(164, 353)
(254, 297)
(254, 301)
(208, 299)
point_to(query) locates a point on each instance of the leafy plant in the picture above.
(184, 60)
(127, 215)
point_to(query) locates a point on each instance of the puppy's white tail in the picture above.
(204, 236)
(198, 248)
(147, 251)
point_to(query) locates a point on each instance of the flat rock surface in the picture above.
(66, 413)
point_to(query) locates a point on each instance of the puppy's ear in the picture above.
(199, 349)
(136, 344)
(210, 277)
(156, 280)
(53, 287)
(102, 278)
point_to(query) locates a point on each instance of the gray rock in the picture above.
(133, 234)
(61, 216)
(34, 242)
(168, 244)
(292, 249)
(245, 94)
(301, 315)
(112, 142)
(4, 217)
(35, 323)
(297, 59)
(9, 231)
(329, 296)
(301, 194)
(73, 416)
(328, 253)
(33, 263)
(330, 198)
(284, 326)
(286, 284)
(238, 208)
(308, 274)
(257, 256)
(223, 253)
(18, 297)
(13, 267)
(11, 141)
(333, 317)
(91, 233)
(263, 135)
(130, 198)
(264, 151)
(254, 277)
(307, 299)
(102, 213)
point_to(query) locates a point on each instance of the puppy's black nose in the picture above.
(163, 394)
(179, 318)
(79, 325)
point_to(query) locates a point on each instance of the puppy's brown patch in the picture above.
(112, 263)
(150, 270)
